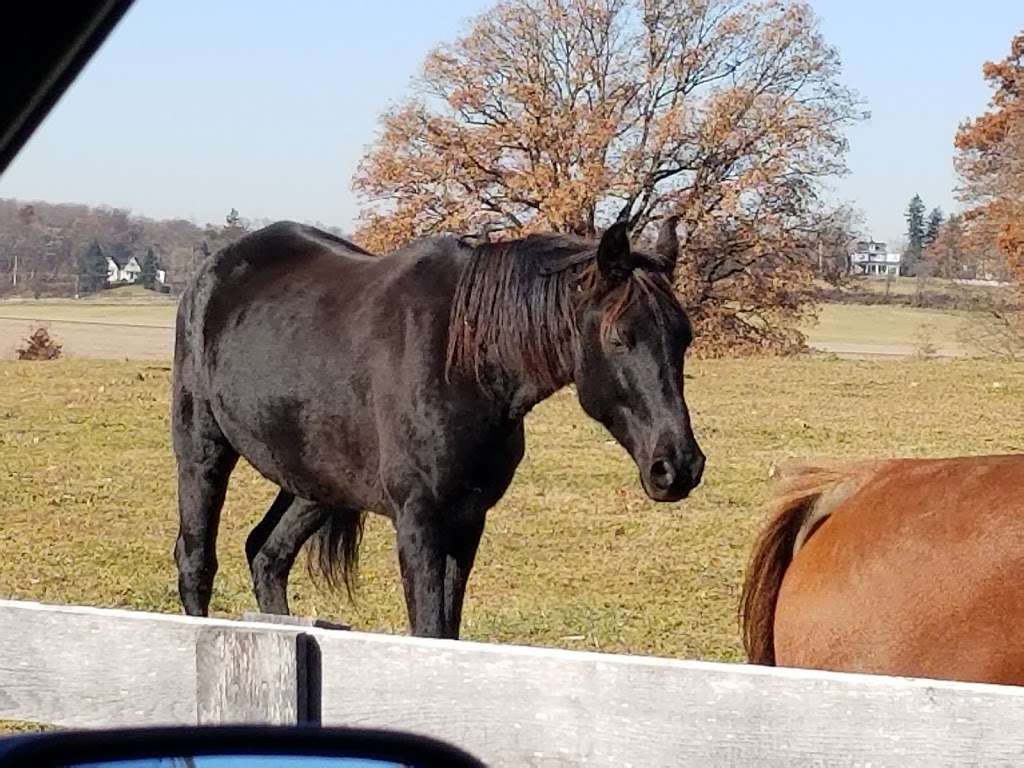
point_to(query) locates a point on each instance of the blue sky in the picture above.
(192, 107)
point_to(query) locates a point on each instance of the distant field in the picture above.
(890, 329)
(129, 305)
(157, 315)
(122, 323)
(128, 323)
(89, 339)
(911, 286)
(575, 556)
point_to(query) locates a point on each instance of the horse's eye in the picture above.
(619, 340)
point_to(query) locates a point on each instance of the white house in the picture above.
(872, 258)
(122, 270)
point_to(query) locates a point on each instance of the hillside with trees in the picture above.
(49, 249)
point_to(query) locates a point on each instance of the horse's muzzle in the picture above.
(671, 480)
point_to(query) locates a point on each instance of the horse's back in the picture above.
(287, 242)
(290, 280)
(917, 573)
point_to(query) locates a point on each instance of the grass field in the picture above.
(574, 556)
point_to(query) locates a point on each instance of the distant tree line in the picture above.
(62, 249)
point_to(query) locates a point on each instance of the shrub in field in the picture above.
(925, 344)
(40, 346)
(997, 334)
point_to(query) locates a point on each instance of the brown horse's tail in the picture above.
(807, 496)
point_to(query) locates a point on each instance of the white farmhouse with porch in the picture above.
(873, 259)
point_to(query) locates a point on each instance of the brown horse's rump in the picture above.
(902, 567)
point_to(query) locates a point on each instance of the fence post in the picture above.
(252, 676)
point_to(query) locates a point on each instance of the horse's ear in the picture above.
(614, 257)
(667, 246)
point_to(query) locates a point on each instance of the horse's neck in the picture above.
(522, 392)
(524, 398)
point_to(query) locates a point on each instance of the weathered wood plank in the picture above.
(511, 706)
(539, 707)
(74, 668)
(89, 667)
(250, 677)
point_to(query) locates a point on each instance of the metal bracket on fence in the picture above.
(295, 621)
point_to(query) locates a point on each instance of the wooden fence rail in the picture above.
(511, 706)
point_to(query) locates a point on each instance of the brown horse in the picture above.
(900, 567)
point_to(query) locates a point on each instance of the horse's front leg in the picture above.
(462, 542)
(436, 556)
(422, 560)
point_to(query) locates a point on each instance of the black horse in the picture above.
(399, 385)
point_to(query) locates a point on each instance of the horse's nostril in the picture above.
(662, 474)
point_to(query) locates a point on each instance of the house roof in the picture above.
(121, 259)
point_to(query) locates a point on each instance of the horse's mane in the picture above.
(517, 303)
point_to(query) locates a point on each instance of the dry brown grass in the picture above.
(575, 556)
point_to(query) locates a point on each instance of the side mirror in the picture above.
(231, 747)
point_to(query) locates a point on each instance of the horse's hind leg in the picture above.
(274, 544)
(205, 462)
(259, 535)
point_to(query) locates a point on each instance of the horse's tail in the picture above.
(334, 549)
(807, 496)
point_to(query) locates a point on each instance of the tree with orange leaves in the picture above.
(990, 161)
(566, 115)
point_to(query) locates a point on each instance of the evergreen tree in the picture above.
(92, 269)
(147, 277)
(915, 234)
(235, 227)
(934, 226)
